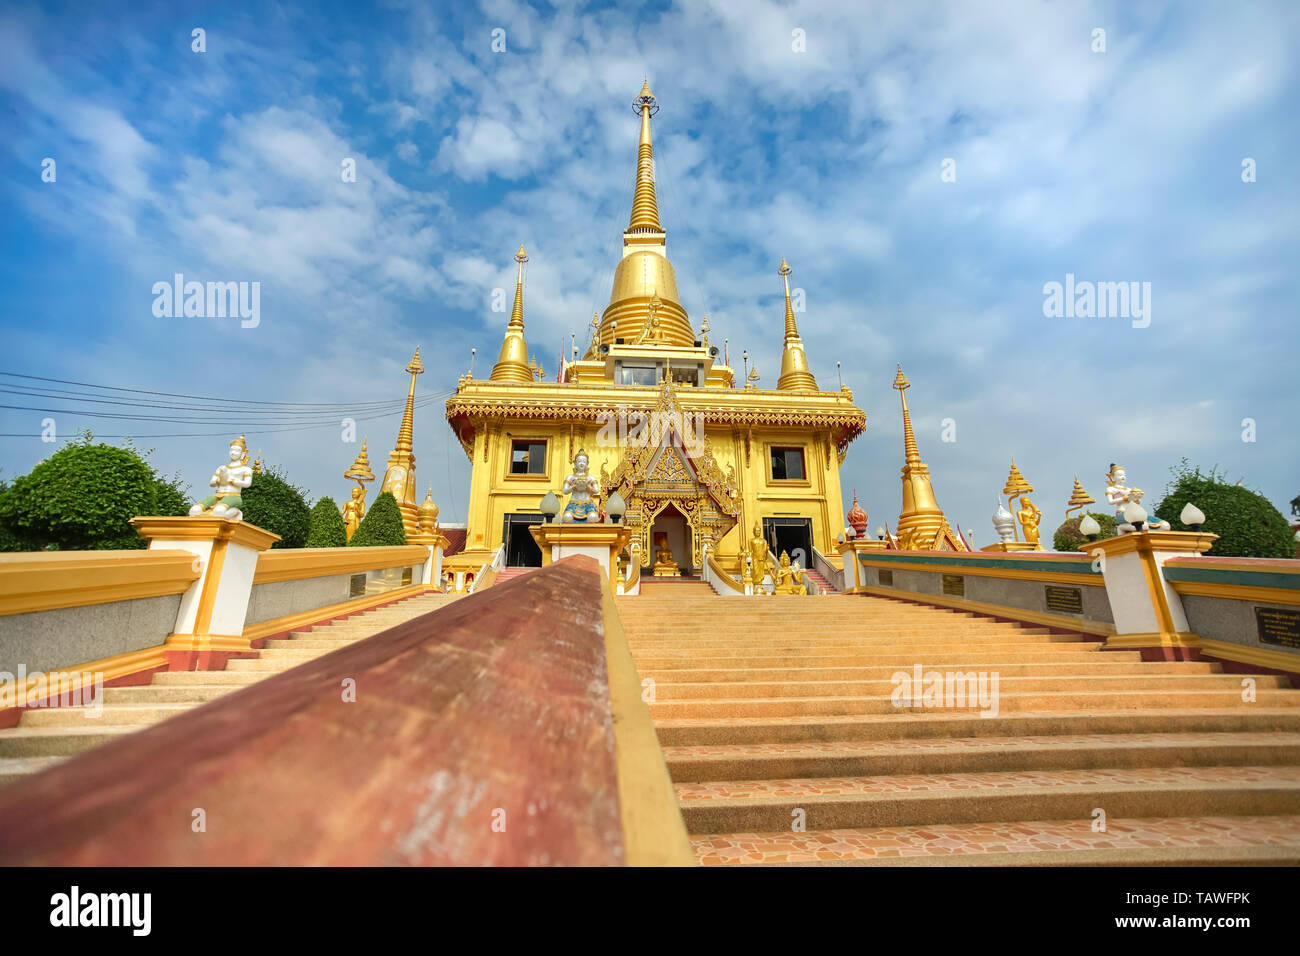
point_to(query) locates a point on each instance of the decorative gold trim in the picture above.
(211, 584)
(1098, 628)
(1255, 656)
(1237, 592)
(1184, 541)
(1051, 577)
(111, 668)
(300, 563)
(1128, 642)
(201, 528)
(654, 833)
(45, 581)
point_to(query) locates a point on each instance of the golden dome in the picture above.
(639, 277)
(857, 517)
(428, 510)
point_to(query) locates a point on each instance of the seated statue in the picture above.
(580, 486)
(665, 566)
(1118, 493)
(228, 480)
(789, 578)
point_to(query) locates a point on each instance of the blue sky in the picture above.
(1115, 166)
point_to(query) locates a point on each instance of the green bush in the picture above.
(382, 525)
(1246, 522)
(327, 529)
(272, 503)
(83, 497)
(1068, 537)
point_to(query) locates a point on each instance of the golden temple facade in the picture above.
(693, 453)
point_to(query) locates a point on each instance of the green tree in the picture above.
(327, 529)
(1068, 537)
(1246, 522)
(271, 502)
(83, 497)
(382, 525)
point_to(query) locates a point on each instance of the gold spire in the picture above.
(1079, 498)
(512, 364)
(399, 477)
(795, 375)
(922, 525)
(1016, 485)
(645, 208)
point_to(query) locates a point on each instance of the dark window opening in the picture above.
(528, 458)
(787, 464)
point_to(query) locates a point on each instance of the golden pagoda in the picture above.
(922, 525)
(690, 455)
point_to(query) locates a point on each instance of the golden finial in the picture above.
(1079, 499)
(428, 512)
(900, 380)
(512, 361)
(645, 207)
(521, 256)
(257, 464)
(752, 377)
(414, 367)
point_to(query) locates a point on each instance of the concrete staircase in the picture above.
(45, 737)
(776, 711)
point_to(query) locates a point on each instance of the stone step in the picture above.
(975, 754)
(260, 665)
(323, 642)
(1052, 668)
(57, 741)
(13, 769)
(1067, 685)
(745, 730)
(205, 678)
(1151, 841)
(883, 658)
(115, 714)
(833, 803)
(1007, 702)
(168, 693)
(911, 646)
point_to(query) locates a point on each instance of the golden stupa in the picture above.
(922, 525)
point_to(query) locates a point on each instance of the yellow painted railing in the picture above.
(45, 580)
(723, 578)
(633, 579)
(298, 563)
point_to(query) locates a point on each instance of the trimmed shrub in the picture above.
(272, 503)
(82, 498)
(382, 525)
(1068, 537)
(1246, 522)
(327, 529)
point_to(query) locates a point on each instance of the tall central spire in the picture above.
(645, 207)
(795, 374)
(512, 362)
(644, 274)
(922, 525)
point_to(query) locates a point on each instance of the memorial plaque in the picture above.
(357, 586)
(886, 578)
(1064, 600)
(954, 584)
(408, 575)
(1280, 626)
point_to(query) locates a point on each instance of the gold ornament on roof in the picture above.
(360, 471)
(857, 518)
(1016, 484)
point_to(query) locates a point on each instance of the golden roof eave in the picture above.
(480, 399)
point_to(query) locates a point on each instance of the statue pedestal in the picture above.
(603, 542)
(856, 547)
(1009, 546)
(1148, 612)
(210, 621)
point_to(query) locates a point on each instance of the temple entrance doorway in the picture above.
(521, 548)
(791, 535)
(672, 523)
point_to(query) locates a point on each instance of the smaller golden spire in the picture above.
(1016, 484)
(795, 375)
(360, 471)
(512, 363)
(1079, 499)
(257, 464)
(428, 512)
